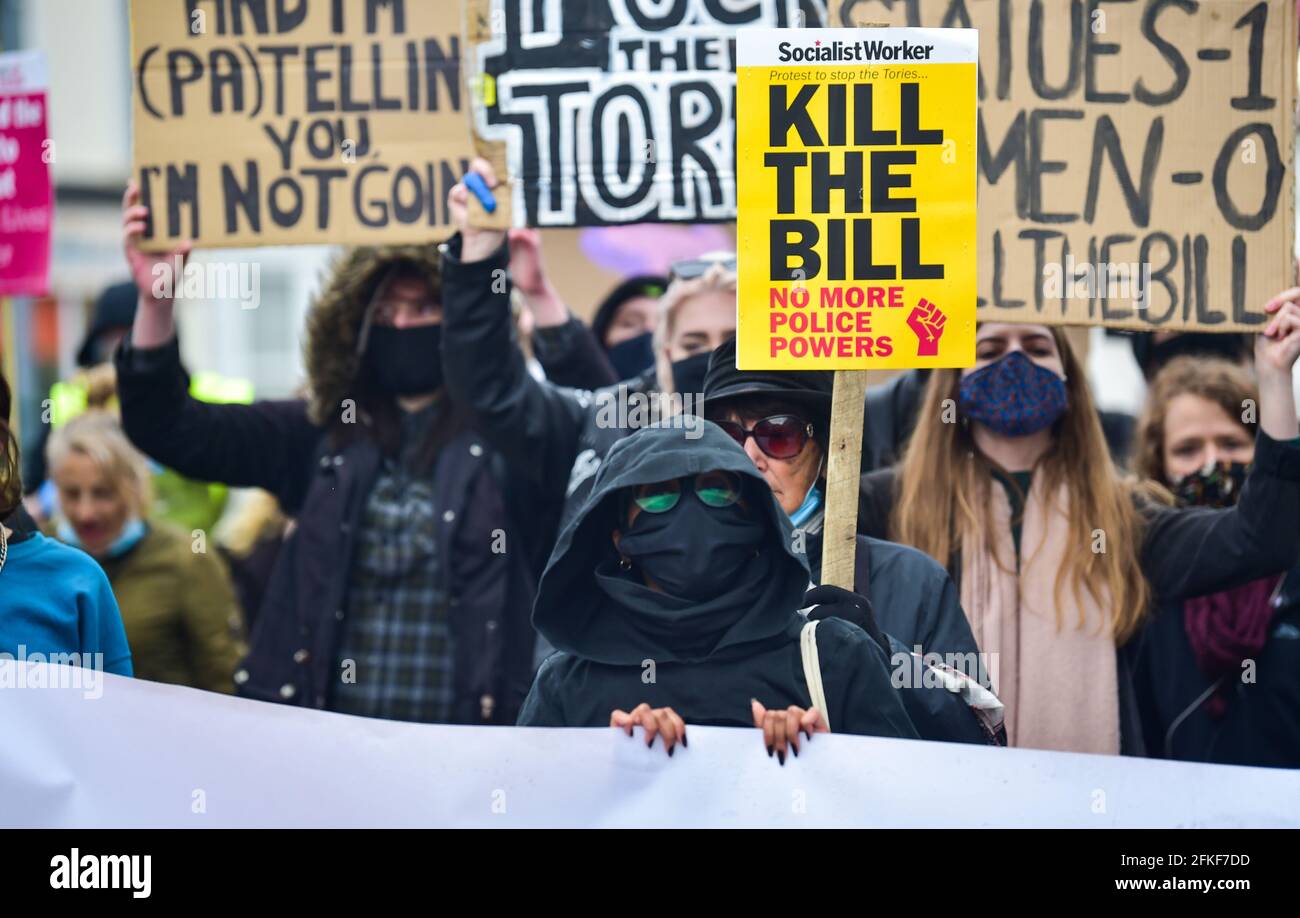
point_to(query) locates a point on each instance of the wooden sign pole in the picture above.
(843, 474)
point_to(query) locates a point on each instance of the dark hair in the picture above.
(11, 482)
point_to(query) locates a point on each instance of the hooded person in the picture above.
(554, 437)
(388, 599)
(681, 558)
(782, 421)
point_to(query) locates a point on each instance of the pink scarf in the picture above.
(1059, 682)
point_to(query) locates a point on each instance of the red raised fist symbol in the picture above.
(927, 321)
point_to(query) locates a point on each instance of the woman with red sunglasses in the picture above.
(782, 422)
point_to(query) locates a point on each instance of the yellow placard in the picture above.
(856, 171)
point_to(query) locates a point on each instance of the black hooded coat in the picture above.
(648, 646)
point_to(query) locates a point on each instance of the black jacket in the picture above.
(916, 606)
(553, 437)
(604, 644)
(1261, 722)
(1184, 553)
(572, 357)
(275, 446)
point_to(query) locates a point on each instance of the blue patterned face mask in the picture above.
(1013, 396)
(132, 533)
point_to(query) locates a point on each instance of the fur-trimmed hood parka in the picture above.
(335, 318)
(323, 471)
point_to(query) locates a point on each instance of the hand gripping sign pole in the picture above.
(855, 220)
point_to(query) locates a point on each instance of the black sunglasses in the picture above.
(782, 436)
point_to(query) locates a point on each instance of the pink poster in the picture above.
(26, 193)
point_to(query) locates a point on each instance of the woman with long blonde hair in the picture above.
(1007, 481)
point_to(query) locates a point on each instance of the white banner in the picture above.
(128, 753)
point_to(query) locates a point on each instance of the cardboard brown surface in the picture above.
(1147, 132)
(374, 104)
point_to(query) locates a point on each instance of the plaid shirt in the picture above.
(396, 633)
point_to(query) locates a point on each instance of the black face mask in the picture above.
(632, 357)
(693, 551)
(689, 373)
(1217, 485)
(404, 361)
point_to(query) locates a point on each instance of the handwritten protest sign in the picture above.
(26, 193)
(856, 227)
(613, 111)
(297, 121)
(1135, 156)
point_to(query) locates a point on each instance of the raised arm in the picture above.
(534, 425)
(262, 445)
(1193, 552)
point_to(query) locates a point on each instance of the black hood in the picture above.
(580, 618)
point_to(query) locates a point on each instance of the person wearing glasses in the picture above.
(388, 599)
(672, 598)
(55, 602)
(552, 437)
(782, 421)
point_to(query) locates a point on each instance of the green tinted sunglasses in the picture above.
(714, 489)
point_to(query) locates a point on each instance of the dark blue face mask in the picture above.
(693, 551)
(632, 357)
(1013, 396)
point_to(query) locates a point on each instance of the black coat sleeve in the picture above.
(542, 707)
(534, 425)
(1191, 552)
(571, 356)
(265, 445)
(855, 676)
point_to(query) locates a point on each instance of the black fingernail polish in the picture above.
(770, 750)
(670, 752)
(780, 757)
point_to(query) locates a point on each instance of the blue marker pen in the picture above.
(474, 182)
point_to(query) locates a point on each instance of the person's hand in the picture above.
(781, 729)
(528, 273)
(142, 264)
(1276, 350)
(836, 602)
(1278, 345)
(476, 244)
(154, 322)
(663, 722)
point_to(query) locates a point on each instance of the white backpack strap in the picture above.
(812, 670)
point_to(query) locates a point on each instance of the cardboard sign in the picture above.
(613, 111)
(1135, 158)
(856, 228)
(307, 122)
(26, 192)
